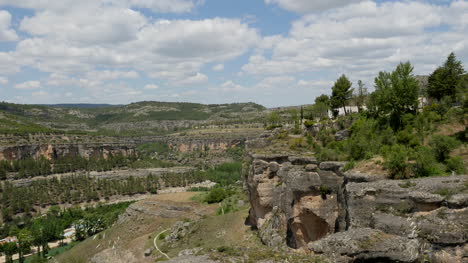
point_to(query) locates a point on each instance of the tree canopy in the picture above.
(396, 94)
(341, 93)
(446, 80)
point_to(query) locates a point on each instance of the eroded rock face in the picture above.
(54, 151)
(300, 203)
(367, 245)
(292, 205)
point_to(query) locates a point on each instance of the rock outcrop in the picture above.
(54, 151)
(300, 203)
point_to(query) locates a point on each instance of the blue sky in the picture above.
(273, 52)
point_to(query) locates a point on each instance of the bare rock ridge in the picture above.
(52, 147)
(300, 203)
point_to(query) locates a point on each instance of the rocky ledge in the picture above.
(300, 203)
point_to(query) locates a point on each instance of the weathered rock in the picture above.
(358, 177)
(302, 160)
(291, 205)
(355, 217)
(148, 252)
(366, 244)
(311, 168)
(191, 259)
(331, 166)
(189, 252)
(342, 135)
(410, 208)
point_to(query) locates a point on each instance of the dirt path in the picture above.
(155, 241)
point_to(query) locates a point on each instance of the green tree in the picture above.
(25, 240)
(9, 249)
(361, 95)
(341, 93)
(395, 95)
(446, 80)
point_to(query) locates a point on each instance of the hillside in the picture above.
(146, 117)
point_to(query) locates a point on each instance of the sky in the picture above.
(272, 52)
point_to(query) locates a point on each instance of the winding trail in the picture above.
(156, 245)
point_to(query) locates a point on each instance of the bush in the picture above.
(426, 164)
(455, 164)
(406, 137)
(442, 146)
(216, 195)
(396, 161)
(309, 123)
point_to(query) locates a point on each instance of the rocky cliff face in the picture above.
(53, 151)
(300, 203)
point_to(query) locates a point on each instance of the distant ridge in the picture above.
(81, 105)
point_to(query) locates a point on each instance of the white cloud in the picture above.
(104, 75)
(363, 38)
(166, 6)
(151, 87)
(3, 80)
(6, 32)
(306, 6)
(229, 86)
(160, 6)
(173, 51)
(218, 67)
(283, 82)
(196, 79)
(87, 27)
(28, 85)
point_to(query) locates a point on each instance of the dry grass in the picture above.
(371, 166)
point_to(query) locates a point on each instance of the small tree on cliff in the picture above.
(341, 93)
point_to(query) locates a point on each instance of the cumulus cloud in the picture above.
(229, 86)
(28, 85)
(218, 67)
(151, 87)
(3, 80)
(307, 6)
(196, 79)
(363, 38)
(6, 32)
(97, 25)
(160, 6)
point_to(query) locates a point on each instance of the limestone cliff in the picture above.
(300, 203)
(53, 151)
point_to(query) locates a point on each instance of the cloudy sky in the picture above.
(273, 52)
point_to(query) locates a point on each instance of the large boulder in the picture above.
(292, 205)
(433, 209)
(367, 245)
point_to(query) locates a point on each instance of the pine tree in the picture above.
(446, 80)
(341, 93)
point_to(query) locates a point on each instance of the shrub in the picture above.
(426, 164)
(443, 145)
(406, 137)
(396, 161)
(309, 123)
(455, 164)
(216, 195)
(349, 165)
